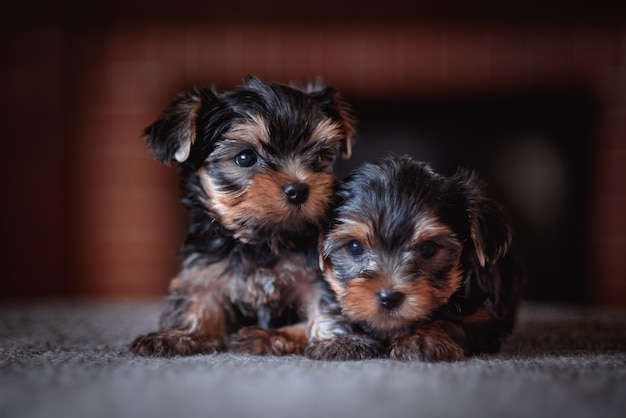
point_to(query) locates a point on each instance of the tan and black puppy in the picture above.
(256, 167)
(416, 266)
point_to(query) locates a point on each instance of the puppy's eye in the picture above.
(427, 250)
(321, 161)
(246, 159)
(325, 157)
(355, 249)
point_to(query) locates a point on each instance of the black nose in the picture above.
(296, 192)
(390, 300)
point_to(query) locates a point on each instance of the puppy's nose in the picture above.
(389, 299)
(296, 192)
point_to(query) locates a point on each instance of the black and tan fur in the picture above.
(256, 172)
(416, 266)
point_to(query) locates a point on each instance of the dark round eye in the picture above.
(320, 163)
(427, 250)
(355, 249)
(246, 159)
(324, 157)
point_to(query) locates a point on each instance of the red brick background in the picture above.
(86, 211)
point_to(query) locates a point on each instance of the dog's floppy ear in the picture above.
(335, 106)
(489, 227)
(173, 134)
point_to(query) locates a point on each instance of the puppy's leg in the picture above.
(170, 343)
(278, 341)
(344, 347)
(196, 320)
(449, 340)
(429, 343)
(330, 335)
(198, 328)
(332, 338)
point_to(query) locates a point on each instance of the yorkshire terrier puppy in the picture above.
(256, 173)
(416, 266)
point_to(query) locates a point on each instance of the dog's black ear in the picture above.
(173, 134)
(490, 230)
(335, 106)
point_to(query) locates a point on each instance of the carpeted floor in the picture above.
(68, 359)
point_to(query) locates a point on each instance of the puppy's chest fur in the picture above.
(273, 293)
(284, 283)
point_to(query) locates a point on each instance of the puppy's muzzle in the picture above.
(296, 192)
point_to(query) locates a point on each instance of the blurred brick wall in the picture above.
(34, 210)
(93, 88)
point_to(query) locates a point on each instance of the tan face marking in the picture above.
(428, 227)
(425, 283)
(359, 299)
(263, 204)
(325, 130)
(255, 131)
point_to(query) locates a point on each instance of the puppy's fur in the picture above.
(416, 266)
(256, 173)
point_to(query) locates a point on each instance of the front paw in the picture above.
(344, 347)
(170, 343)
(426, 345)
(276, 342)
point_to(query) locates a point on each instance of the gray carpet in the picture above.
(68, 359)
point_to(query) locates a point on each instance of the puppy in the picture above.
(416, 266)
(256, 172)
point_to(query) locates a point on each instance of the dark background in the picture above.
(533, 149)
(531, 94)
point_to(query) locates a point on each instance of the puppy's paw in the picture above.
(277, 342)
(170, 343)
(426, 345)
(344, 347)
